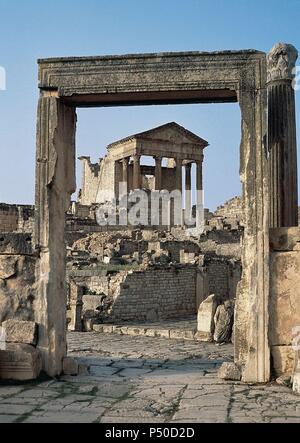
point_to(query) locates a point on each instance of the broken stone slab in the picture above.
(18, 331)
(206, 313)
(16, 243)
(70, 366)
(284, 380)
(229, 371)
(8, 266)
(20, 362)
(91, 302)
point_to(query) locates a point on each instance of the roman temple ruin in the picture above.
(60, 268)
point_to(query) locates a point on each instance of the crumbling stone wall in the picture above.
(91, 281)
(17, 277)
(8, 218)
(223, 276)
(230, 209)
(16, 218)
(90, 179)
(154, 294)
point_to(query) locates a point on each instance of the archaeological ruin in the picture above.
(235, 279)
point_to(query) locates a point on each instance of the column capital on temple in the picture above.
(125, 160)
(179, 160)
(136, 158)
(281, 62)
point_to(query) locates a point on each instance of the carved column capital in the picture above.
(281, 61)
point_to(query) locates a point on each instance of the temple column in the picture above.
(158, 177)
(125, 172)
(199, 193)
(282, 136)
(136, 172)
(188, 191)
(177, 209)
(179, 174)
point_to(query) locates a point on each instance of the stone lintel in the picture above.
(16, 244)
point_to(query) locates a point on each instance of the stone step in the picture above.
(138, 331)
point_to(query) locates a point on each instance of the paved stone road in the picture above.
(143, 379)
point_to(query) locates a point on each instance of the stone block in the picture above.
(176, 334)
(283, 358)
(203, 336)
(107, 329)
(150, 332)
(164, 333)
(98, 328)
(229, 371)
(284, 297)
(70, 366)
(16, 243)
(8, 266)
(206, 314)
(20, 362)
(135, 331)
(284, 239)
(18, 331)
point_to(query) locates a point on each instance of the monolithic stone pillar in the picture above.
(282, 136)
(136, 172)
(158, 178)
(188, 190)
(177, 208)
(179, 174)
(125, 172)
(55, 183)
(199, 192)
(251, 344)
(76, 304)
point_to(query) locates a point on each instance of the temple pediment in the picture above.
(169, 133)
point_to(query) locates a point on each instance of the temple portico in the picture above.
(172, 144)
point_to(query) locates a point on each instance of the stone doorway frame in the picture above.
(148, 79)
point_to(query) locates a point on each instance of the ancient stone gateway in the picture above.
(147, 79)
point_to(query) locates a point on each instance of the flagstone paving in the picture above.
(146, 380)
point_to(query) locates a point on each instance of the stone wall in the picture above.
(223, 277)
(90, 181)
(17, 277)
(284, 333)
(91, 281)
(155, 294)
(151, 294)
(16, 218)
(230, 209)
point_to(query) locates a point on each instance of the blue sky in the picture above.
(34, 29)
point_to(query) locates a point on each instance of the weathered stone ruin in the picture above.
(107, 276)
